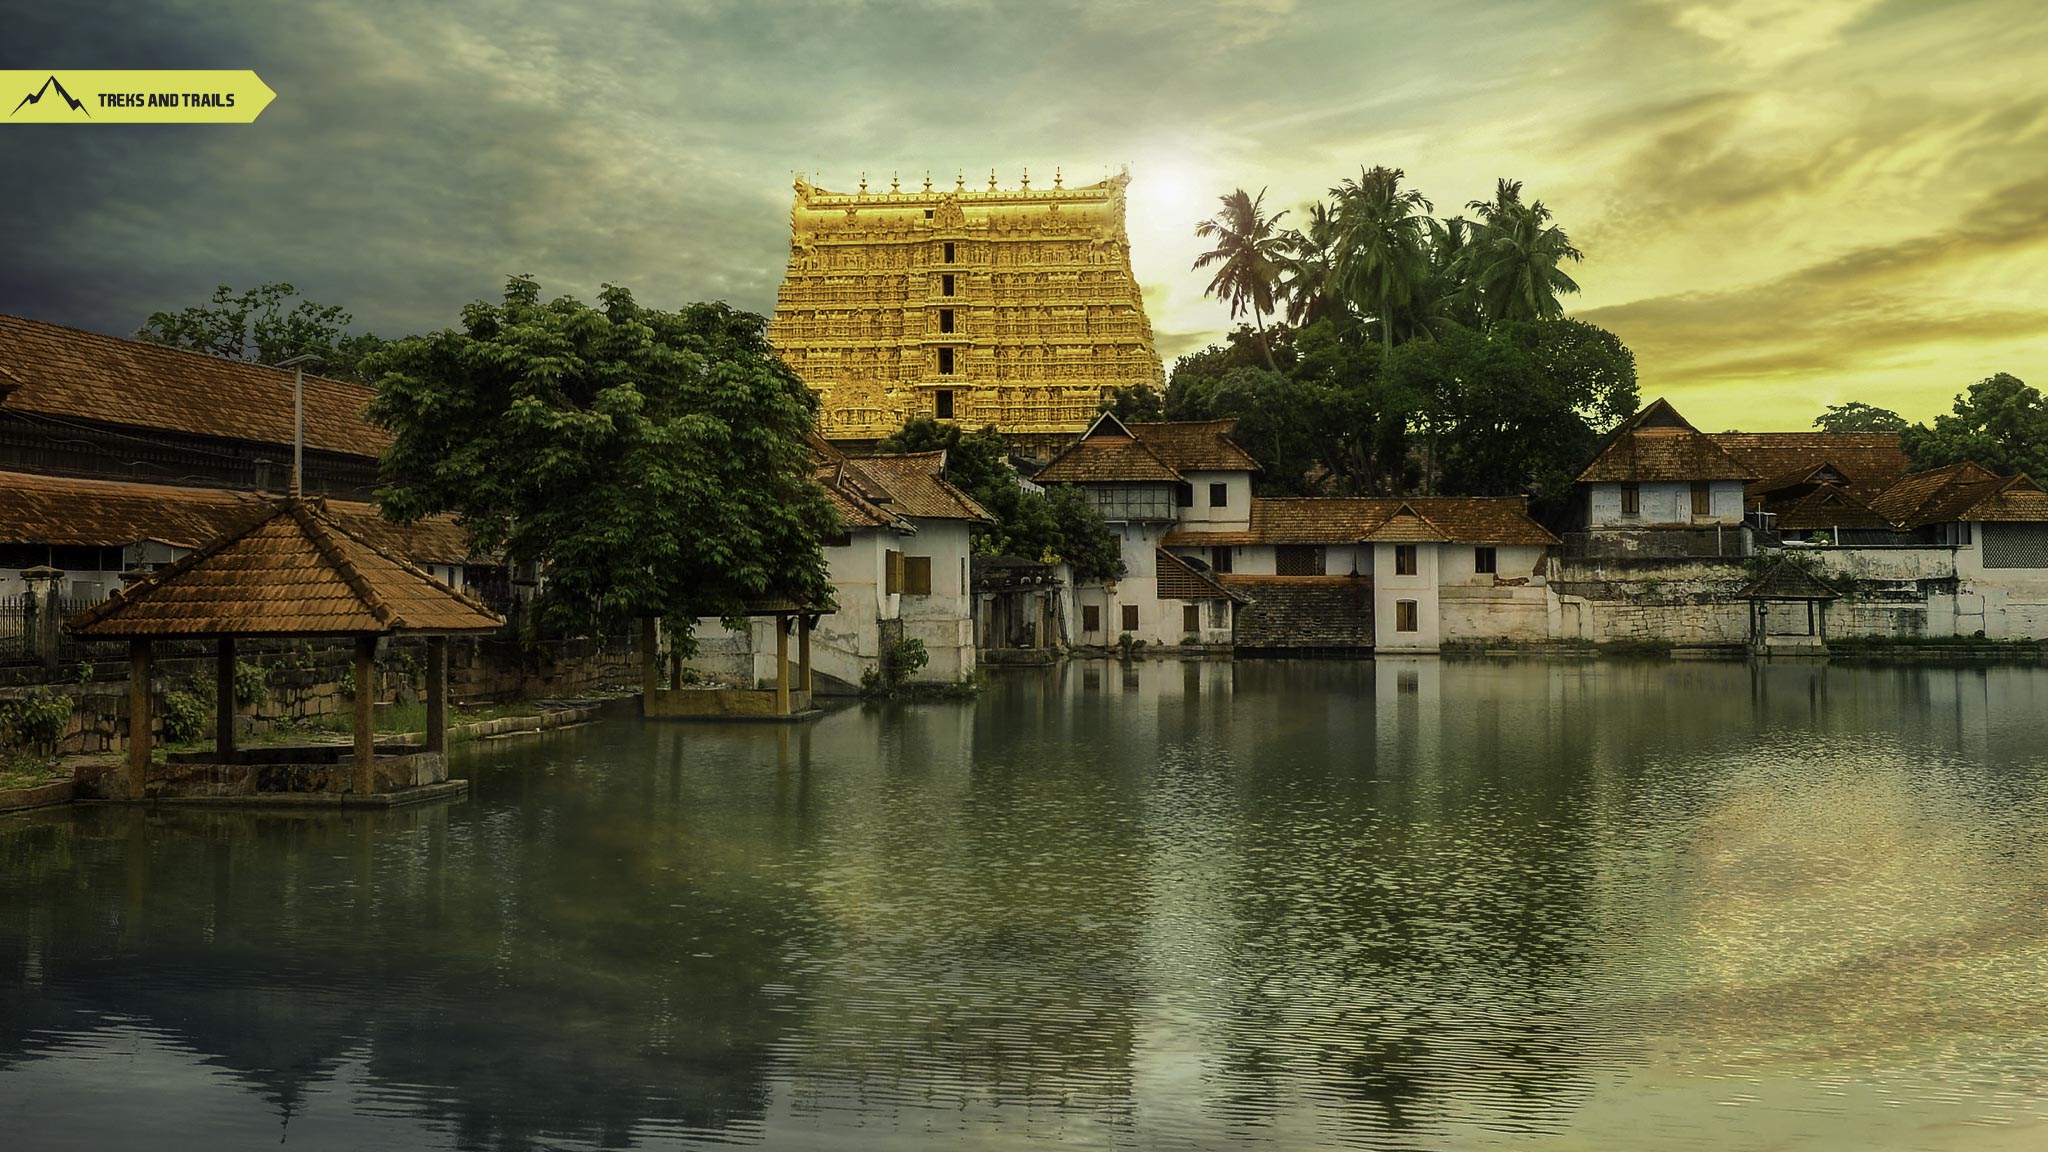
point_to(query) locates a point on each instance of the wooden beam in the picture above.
(782, 665)
(138, 718)
(224, 699)
(437, 694)
(366, 715)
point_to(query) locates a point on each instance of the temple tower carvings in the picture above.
(1015, 308)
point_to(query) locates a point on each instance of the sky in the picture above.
(1783, 203)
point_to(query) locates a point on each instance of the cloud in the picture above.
(1763, 33)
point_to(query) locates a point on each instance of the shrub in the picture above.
(184, 717)
(35, 721)
(900, 661)
(252, 684)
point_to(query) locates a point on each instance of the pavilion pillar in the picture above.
(224, 699)
(803, 653)
(782, 665)
(366, 715)
(650, 674)
(437, 694)
(138, 718)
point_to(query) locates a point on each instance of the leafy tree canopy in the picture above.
(1054, 526)
(651, 463)
(2001, 423)
(269, 325)
(1857, 416)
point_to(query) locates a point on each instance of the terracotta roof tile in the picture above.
(1867, 460)
(1178, 580)
(294, 572)
(1787, 581)
(1352, 519)
(1102, 460)
(1919, 498)
(1657, 444)
(1195, 445)
(913, 484)
(68, 374)
(1826, 506)
(37, 509)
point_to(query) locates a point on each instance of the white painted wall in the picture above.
(1236, 513)
(1664, 503)
(1388, 589)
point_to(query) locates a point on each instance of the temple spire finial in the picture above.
(893, 188)
(1056, 177)
(863, 183)
(927, 180)
(991, 179)
(1027, 180)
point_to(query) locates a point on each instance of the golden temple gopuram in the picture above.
(1011, 307)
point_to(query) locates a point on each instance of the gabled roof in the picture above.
(2018, 500)
(1867, 461)
(1179, 580)
(67, 374)
(1658, 444)
(38, 509)
(1928, 497)
(1356, 519)
(1787, 581)
(1827, 506)
(849, 494)
(293, 572)
(1195, 445)
(913, 484)
(1407, 526)
(1108, 452)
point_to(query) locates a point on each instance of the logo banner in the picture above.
(128, 96)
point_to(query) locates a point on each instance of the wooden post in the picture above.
(803, 653)
(224, 700)
(138, 718)
(650, 676)
(366, 715)
(782, 665)
(437, 694)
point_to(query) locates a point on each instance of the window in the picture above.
(1404, 559)
(1091, 618)
(945, 319)
(949, 248)
(1404, 616)
(942, 402)
(927, 213)
(1130, 617)
(1702, 499)
(1219, 495)
(1184, 495)
(1191, 618)
(1297, 560)
(1219, 559)
(1219, 613)
(1485, 560)
(917, 575)
(837, 540)
(945, 361)
(946, 284)
(892, 571)
(1631, 500)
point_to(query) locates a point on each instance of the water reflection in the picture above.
(1404, 904)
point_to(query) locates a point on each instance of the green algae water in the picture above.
(1264, 905)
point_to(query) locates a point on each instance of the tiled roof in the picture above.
(1867, 460)
(1178, 580)
(1407, 526)
(1787, 581)
(1657, 444)
(1926, 497)
(1195, 445)
(852, 497)
(1304, 612)
(1105, 460)
(36, 509)
(72, 375)
(913, 485)
(295, 572)
(1826, 506)
(2016, 500)
(1352, 519)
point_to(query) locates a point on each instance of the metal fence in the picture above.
(1732, 542)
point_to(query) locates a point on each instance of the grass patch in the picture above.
(29, 770)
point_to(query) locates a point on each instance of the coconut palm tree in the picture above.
(1512, 266)
(1308, 269)
(1382, 256)
(1249, 247)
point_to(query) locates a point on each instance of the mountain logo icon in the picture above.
(36, 97)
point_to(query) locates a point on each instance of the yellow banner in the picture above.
(123, 96)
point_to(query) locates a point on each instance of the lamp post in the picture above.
(298, 366)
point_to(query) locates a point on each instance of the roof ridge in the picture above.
(154, 346)
(137, 591)
(317, 531)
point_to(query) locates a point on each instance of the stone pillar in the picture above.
(366, 715)
(437, 694)
(782, 665)
(650, 674)
(803, 653)
(224, 700)
(138, 718)
(43, 583)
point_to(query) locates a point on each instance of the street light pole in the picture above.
(298, 366)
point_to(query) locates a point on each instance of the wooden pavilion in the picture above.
(1788, 608)
(790, 699)
(291, 572)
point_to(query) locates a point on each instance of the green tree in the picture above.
(2001, 423)
(269, 325)
(1046, 526)
(1137, 402)
(1512, 261)
(650, 463)
(1308, 269)
(1856, 416)
(1247, 256)
(1382, 256)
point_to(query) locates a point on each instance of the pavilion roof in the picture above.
(293, 572)
(1787, 581)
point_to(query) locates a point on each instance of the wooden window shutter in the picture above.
(917, 575)
(892, 577)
